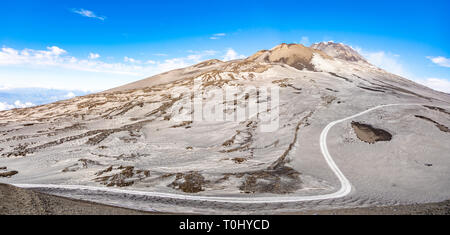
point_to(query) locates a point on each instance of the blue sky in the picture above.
(85, 46)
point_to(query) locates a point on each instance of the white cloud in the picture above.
(93, 56)
(21, 68)
(131, 60)
(206, 52)
(438, 84)
(17, 104)
(5, 106)
(440, 60)
(217, 36)
(10, 56)
(11, 97)
(55, 57)
(305, 41)
(55, 51)
(59, 58)
(87, 13)
(4, 87)
(387, 61)
(232, 55)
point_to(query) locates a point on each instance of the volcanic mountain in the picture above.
(137, 136)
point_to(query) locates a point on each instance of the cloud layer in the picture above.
(57, 57)
(217, 36)
(391, 63)
(387, 61)
(93, 56)
(437, 84)
(11, 98)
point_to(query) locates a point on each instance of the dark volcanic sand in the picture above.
(17, 201)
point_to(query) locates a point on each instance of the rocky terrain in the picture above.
(137, 136)
(16, 201)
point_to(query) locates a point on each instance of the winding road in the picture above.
(344, 190)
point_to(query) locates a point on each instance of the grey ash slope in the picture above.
(340, 51)
(128, 137)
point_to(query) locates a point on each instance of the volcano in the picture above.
(149, 136)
